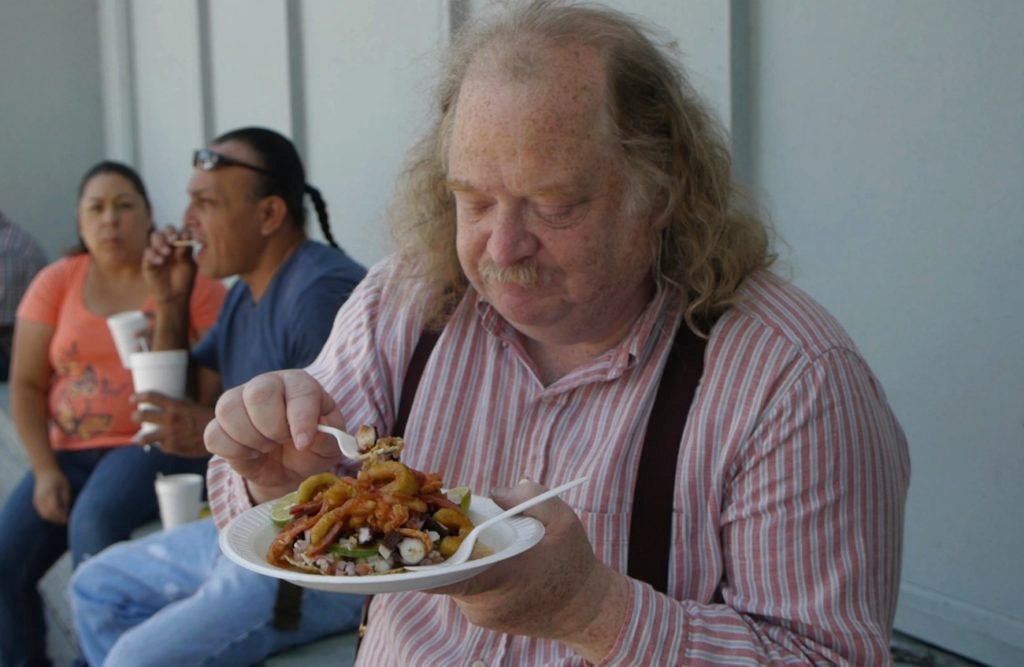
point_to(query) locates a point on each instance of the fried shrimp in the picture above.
(340, 519)
(398, 478)
(388, 516)
(284, 540)
(311, 486)
(341, 490)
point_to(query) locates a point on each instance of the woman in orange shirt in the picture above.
(90, 485)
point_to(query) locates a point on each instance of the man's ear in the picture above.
(273, 213)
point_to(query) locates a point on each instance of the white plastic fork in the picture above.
(461, 554)
(346, 441)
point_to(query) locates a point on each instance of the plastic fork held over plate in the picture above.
(346, 441)
(461, 554)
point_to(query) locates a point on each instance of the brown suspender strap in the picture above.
(412, 379)
(650, 529)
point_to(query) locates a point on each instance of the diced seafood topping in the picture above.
(388, 516)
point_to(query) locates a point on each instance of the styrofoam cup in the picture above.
(130, 331)
(163, 371)
(180, 497)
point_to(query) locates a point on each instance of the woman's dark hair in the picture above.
(287, 177)
(110, 167)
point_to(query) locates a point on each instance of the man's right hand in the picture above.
(266, 430)
(169, 271)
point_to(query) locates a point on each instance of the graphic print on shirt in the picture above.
(73, 411)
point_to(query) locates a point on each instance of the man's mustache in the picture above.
(524, 274)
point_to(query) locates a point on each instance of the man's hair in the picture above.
(287, 177)
(674, 152)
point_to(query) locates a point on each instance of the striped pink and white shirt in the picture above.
(790, 484)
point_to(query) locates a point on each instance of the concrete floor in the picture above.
(909, 652)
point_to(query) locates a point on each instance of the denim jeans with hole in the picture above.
(172, 598)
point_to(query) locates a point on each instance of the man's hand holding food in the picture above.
(167, 265)
(266, 430)
(558, 589)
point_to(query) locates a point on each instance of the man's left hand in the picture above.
(558, 589)
(180, 423)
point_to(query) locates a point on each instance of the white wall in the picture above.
(168, 98)
(250, 81)
(368, 68)
(51, 113)
(888, 140)
(700, 31)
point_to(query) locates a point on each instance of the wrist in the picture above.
(172, 302)
(259, 493)
(45, 468)
(599, 613)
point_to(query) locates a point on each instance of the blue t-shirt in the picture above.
(289, 325)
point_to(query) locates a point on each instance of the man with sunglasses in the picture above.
(134, 603)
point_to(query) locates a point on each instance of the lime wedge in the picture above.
(460, 495)
(280, 512)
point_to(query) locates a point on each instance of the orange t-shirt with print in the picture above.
(89, 390)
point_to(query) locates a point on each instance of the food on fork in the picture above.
(386, 517)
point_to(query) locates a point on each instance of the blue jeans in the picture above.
(112, 492)
(172, 598)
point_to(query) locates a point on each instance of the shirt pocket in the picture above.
(609, 535)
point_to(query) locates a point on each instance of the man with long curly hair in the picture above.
(570, 231)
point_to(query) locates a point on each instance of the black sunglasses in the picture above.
(208, 160)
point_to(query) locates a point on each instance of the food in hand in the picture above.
(386, 517)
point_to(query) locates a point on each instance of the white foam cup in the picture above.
(163, 371)
(179, 496)
(130, 331)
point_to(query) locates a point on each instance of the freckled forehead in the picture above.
(551, 115)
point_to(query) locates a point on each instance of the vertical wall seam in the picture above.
(130, 92)
(741, 92)
(458, 14)
(297, 76)
(206, 96)
(117, 74)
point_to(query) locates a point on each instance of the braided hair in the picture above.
(321, 213)
(287, 177)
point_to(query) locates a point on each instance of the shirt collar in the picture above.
(660, 314)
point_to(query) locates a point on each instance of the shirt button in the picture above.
(478, 663)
